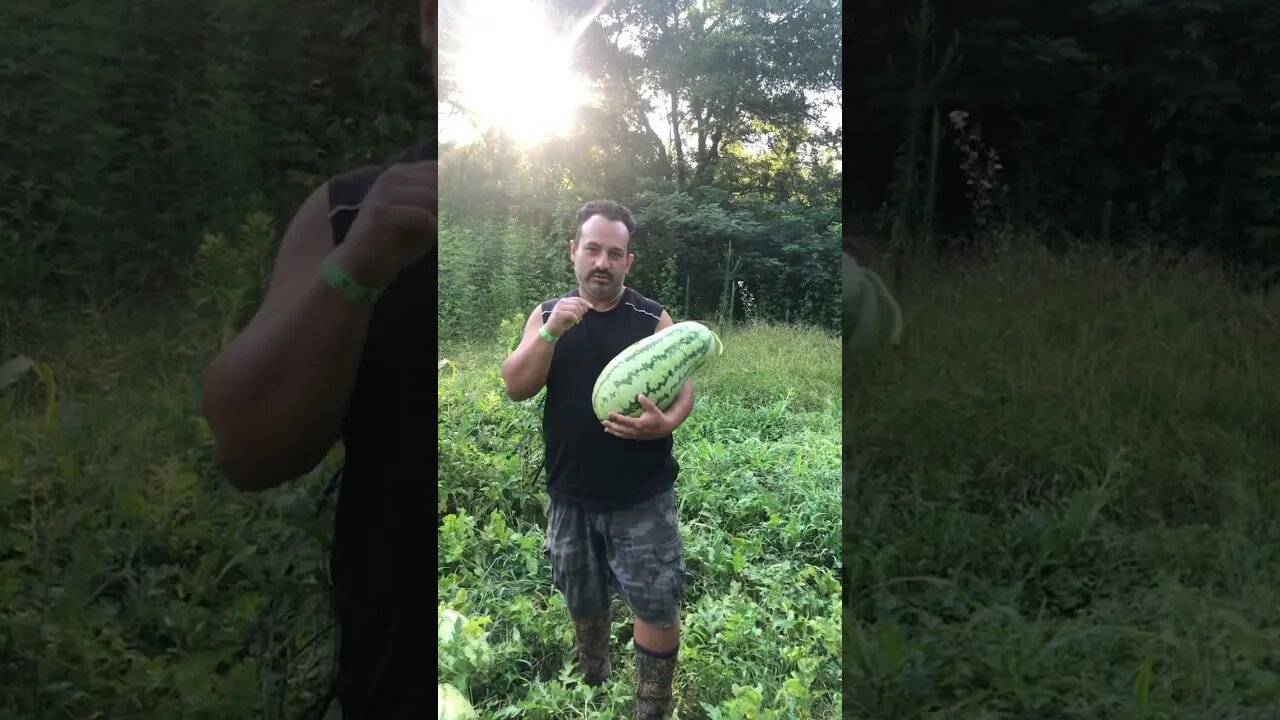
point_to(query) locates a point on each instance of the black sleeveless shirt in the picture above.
(378, 560)
(585, 465)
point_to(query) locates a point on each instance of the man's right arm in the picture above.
(275, 397)
(524, 372)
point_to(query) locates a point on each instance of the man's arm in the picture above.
(524, 372)
(683, 404)
(275, 397)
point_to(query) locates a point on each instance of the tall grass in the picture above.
(135, 582)
(1060, 495)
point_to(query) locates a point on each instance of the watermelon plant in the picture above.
(463, 645)
(656, 367)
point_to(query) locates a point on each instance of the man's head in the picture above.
(601, 250)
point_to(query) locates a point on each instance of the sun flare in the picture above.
(511, 71)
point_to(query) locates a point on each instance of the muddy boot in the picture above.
(654, 673)
(591, 637)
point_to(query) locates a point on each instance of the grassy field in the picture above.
(134, 583)
(759, 507)
(1061, 505)
(1062, 495)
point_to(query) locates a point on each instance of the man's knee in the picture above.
(660, 636)
(659, 624)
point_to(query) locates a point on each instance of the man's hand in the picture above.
(567, 313)
(396, 226)
(652, 423)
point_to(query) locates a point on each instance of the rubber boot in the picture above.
(654, 673)
(591, 637)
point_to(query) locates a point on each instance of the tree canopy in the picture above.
(1110, 117)
(707, 121)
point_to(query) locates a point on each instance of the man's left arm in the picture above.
(680, 407)
(683, 404)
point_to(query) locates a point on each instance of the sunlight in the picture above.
(511, 71)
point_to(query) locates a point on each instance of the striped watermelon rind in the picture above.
(656, 366)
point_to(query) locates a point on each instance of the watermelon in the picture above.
(863, 292)
(451, 705)
(656, 366)
(450, 625)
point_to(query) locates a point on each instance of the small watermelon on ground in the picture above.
(656, 367)
(863, 293)
(449, 624)
(452, 705)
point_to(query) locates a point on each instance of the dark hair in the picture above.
(608, 208)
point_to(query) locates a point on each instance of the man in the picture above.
(611, 520)
(337, 350)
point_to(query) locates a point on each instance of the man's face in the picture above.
(601, 257)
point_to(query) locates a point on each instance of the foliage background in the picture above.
(139, 125)
(1112, 119)
(153, 152)
(705, 126)
(1058, 491)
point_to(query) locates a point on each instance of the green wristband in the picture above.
(546, 335)
(347, 287)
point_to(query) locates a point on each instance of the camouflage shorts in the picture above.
(637, 551)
